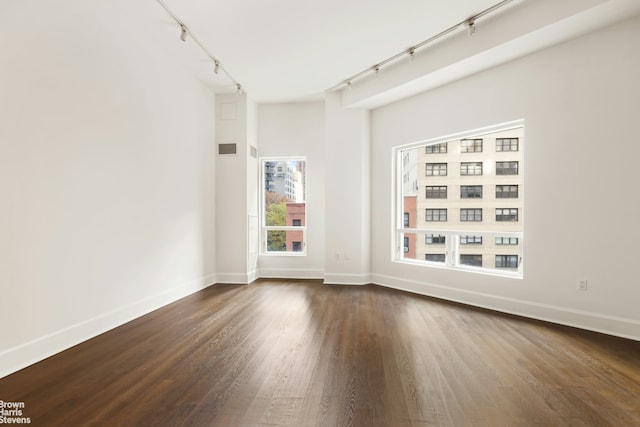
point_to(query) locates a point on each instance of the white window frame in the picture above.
(264, 229)
(452, 237)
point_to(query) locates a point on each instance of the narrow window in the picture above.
(284, 206)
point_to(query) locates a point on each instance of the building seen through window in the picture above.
(467, 206)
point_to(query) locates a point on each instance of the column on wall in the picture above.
(347, 209)
(236, 172)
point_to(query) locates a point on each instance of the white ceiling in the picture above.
(291, 50)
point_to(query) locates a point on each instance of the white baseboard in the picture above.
(235, 278)
(290, 273)
(346, 279)
(21, 356)
(252, 276)
(611, 325)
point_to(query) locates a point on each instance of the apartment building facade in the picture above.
(470, 190)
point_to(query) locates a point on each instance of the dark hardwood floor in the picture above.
(300, 353)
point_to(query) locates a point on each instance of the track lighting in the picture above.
(471, 27)
(469, 24)
(183, 33)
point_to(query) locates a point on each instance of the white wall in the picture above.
(348, 210)
(297, 129)
(106, 177)
(579, 101)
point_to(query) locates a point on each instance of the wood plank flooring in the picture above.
(299, 353)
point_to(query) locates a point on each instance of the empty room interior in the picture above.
(325, 213)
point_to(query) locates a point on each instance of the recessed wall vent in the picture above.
(227, 149)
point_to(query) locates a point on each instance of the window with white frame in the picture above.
(453, 232)
(284, 207)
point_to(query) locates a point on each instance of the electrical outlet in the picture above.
(582, 284)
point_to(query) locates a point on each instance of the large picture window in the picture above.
(284, 207)
(458, 229)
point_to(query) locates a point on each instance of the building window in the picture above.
(436, 148)
(510, 214)
(470, 240)
(470, 168)
(406, 219)
(436, 169)
(436, 192)
(506, 191)
(506, 241)
(506, 144)
(474, 260)
(283, 206)
(406, 244)
(506, 168)
(434, 239)
(435, 257)
(471, 146)
(471, 191)
(506, 261)
(471, 214)
(435, 215)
